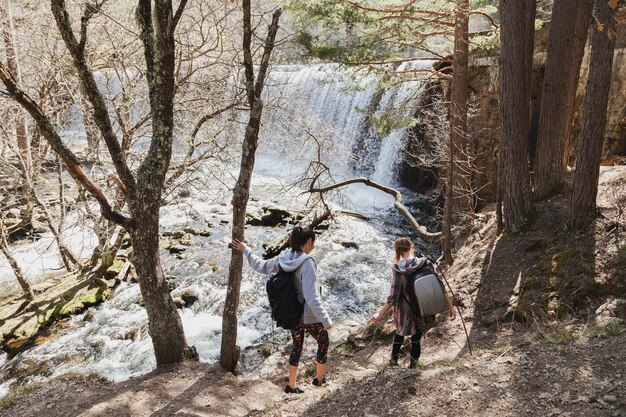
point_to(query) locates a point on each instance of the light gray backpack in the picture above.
(430, 295)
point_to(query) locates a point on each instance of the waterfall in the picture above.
(340, 106)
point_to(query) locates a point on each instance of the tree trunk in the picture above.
(568, 34)
(21, 279)
(458, 196)
(516, 34)
(585, 190)
(166, 328)
(229, 351)
(21, 128)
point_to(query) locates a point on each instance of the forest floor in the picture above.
(545, 313)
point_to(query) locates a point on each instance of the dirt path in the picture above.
(547, 374)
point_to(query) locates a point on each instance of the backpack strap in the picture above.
(407, 298)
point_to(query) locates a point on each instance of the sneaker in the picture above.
(319, 383)
(296, 390)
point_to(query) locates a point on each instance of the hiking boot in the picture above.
(296, 390)
(392, 362)
(319, 383)
(413, 364)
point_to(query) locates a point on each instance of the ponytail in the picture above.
(299, 236)
(401, 246)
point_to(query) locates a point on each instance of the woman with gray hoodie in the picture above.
(315, 320)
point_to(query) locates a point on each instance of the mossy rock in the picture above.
(175, 249)
(190, 230)
(189, 297)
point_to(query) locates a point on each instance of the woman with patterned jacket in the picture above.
(406, 321)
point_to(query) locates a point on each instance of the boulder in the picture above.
(179, 302)
(349, 245)
(270, 216)
(175, 249)
(189, 297)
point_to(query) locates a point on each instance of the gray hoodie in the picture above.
(303, 267)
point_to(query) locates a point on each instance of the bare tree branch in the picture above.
(420, 230)
(55, 141)
(179, 12)
(101, 114)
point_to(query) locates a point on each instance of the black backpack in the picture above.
(281, 292)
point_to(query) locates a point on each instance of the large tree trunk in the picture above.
(582, 210)
(458, 196)
(229, 351)
(166, 329)
(21, 128)
(516, 34)
(568, 34)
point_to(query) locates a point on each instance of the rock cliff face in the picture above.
(484, 126)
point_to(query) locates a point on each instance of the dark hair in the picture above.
(299, 236)
(401, 246)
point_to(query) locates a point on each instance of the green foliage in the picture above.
(612, 329)
(562, 337)
(372, 31)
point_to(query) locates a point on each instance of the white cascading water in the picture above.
(111, 339)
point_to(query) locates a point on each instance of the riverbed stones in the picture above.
(270, 216)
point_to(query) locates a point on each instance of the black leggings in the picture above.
(416, 349)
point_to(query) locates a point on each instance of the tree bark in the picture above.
(585, 190)
(568, 34)
(166, 329)
(516, 35)
(229, 351)
(458, 198)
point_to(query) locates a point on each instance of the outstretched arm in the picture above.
(379, 316)
(264, 267)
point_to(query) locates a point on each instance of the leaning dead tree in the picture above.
(419, 230)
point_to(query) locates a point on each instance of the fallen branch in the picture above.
(420, 230)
